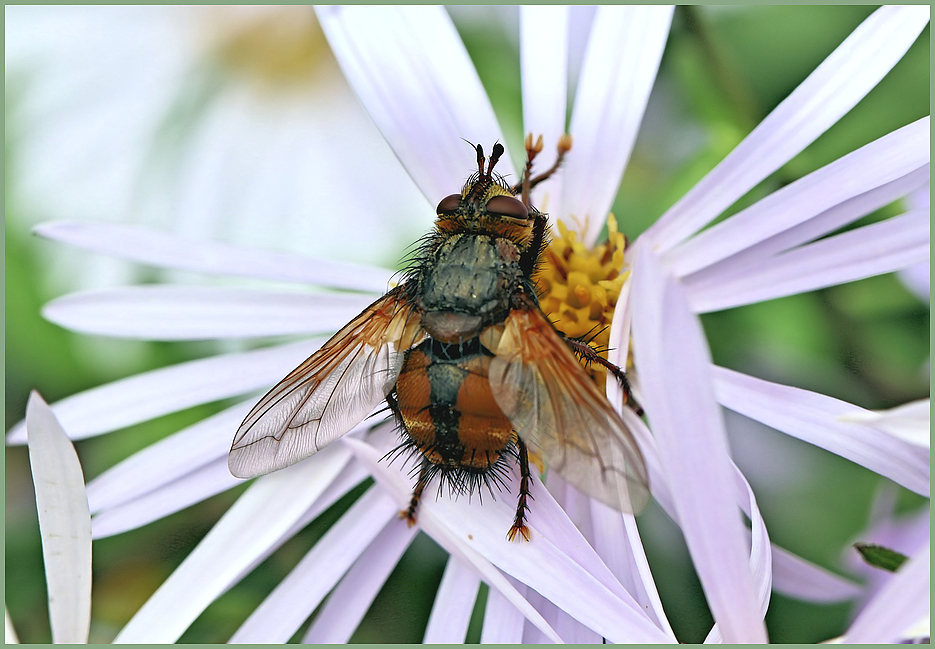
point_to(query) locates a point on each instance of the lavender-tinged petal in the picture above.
(296, 596)
(454, 604)
(64, 523)
(176, 312)
(545, 88)
(843, 79)
(749, 259)
(620, 65)
(856, 254)
(883, 162)
(910, 422)
(476, 534)
(152, 394)
(350, 600)
(503, 624)
(248, 528)
(423, 93)
(185, 491)
(821, 420)
(905, 599)
(761, 561)
(166, 250)
(678, 390)
(167, 460)
(796, 577)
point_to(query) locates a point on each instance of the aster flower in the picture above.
(423, 94)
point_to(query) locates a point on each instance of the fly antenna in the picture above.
(494, 158)
(480, 161)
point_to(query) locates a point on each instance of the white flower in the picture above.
(410, 70)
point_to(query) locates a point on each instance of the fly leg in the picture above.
(522, 508)
(590, 355)
(410, 514)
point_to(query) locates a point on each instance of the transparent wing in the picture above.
(331, 392)
(556, 409)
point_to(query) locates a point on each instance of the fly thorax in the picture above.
(468, 285)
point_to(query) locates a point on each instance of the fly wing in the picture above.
(331, 392)
(557, 409)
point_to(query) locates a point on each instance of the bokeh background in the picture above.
(235, 124)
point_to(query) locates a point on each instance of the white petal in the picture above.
(678, 393)
(503, 624)
(168, 312)
(618, 72)
(303, 589)
(166, 250)
(544, 63)
(64, 523)
(849, 73)
(167, 460)
(884, 161)
(819, 420)
(9, 633)
(871, 250)
(828, 221)
(153, 394)
(411, 71)
(761, 561)
(795, 577)
(904, 600)
(244, 532)
(193, 487)
(911, 422)
(453, 606)
(351, 598)
(476, 533)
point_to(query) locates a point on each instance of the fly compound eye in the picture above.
(507, 206)
(449, 204)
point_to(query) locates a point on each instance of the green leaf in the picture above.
(881, 557)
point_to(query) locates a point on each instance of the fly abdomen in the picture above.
(447, 408)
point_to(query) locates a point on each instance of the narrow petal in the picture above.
(544, 63)
(796, 577)
(619, 68)
(905, 599)
(503, 623)
(166, 250)
(878, 164)
(167, 312)
(822, 421)
(843, 79)
(911, 422)
(454, 604)
(9, 633)
(296, 596)
(352, 597)
(152, 394)
(874, 249)
(678, 393)
(245, 531)
(476, 533)
(167, 460)
(423, 93)
(64, 523)
(828, 221)
(193, 487)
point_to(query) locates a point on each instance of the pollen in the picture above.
(579, 287)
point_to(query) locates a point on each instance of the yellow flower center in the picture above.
(579, 287)
(276, 48)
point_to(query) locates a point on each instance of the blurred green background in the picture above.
(868, 342)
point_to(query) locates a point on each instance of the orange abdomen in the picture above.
(447, 407)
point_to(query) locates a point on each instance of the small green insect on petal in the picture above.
(881, 557)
